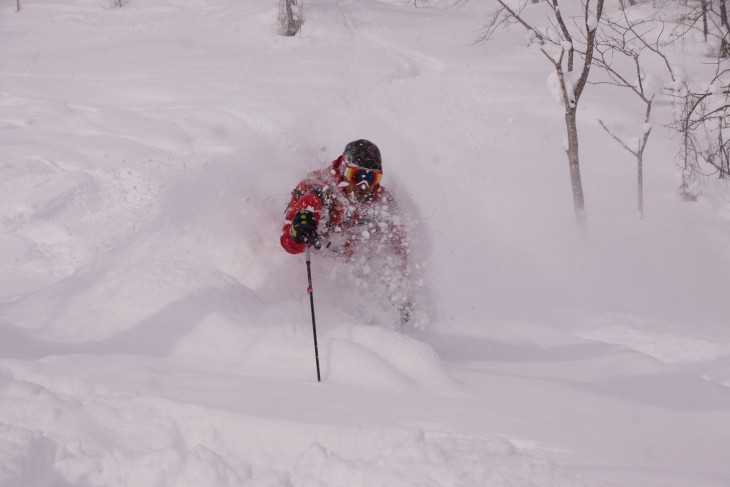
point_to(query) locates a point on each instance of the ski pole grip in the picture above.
(313, 239)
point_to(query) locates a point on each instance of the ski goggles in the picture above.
(359, 175)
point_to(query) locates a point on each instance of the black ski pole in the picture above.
(311, 302)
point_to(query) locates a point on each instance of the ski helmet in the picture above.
(363, 153)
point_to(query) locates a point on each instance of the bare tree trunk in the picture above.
(570, 92)
(638, 154)
(724, 47)
(289, 21)
(290, 18)
(640, 161)
(722, 154)
(17, 5)
(570, 102)
(687, 188)
(574, 164)
(640, 184)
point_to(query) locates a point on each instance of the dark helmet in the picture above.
(363, 153)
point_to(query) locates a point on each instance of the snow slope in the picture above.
(153, 333)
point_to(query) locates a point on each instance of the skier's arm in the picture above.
(309, 201)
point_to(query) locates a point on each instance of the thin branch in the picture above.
(519, 19)
(617, 139)
(564, 29)
(580, 85)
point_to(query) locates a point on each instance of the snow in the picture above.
(154, 333)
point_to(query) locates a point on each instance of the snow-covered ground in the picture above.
(153, 333)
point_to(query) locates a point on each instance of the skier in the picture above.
(346, 210)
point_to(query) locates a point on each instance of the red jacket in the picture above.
(345, 224)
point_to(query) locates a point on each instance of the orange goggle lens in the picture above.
(359, 175)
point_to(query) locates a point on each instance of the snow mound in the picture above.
(372, 355)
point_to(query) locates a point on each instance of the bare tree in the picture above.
(708, 17)
(631, 39)
(701, 117)
(505, 16)
(290, 17)
(621, 48)
(581, 41)
(704, 124)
